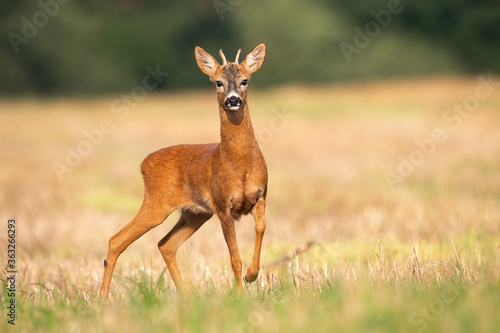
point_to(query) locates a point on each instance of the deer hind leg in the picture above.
(149, 216)
(260, 227)
(187, 225)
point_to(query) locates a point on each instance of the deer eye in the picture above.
(244, 82)
(218, 83)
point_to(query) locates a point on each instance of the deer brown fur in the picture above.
(228, 179)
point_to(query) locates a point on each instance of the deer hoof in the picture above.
(251, 276)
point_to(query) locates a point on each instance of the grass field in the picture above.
(383, 212)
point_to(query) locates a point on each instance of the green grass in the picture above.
(355, 286)
(336, 306)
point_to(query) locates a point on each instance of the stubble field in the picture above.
(383, 212)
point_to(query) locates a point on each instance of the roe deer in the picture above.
(227, 178)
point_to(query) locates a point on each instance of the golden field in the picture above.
(332, 153)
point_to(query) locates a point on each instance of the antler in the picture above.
(224, 61)
(236, 61)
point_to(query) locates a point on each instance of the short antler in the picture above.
(236, 61)
(224, 61)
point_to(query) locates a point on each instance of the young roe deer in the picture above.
(227, 178)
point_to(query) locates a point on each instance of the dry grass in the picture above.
(328, 164)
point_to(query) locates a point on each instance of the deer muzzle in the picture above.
(233, 102)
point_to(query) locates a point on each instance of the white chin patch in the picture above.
(234, 108)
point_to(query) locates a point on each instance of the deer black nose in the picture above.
(234, 101)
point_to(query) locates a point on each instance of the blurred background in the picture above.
(67, 47)
(348, 90)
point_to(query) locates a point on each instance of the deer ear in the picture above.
(254, 59)
(205, 61)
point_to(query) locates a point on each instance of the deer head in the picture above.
(231, 79)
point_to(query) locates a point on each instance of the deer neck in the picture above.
(236, 132)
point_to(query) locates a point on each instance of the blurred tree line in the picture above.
(92, 47)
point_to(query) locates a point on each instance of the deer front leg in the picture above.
(258, 212)
(227, 224)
